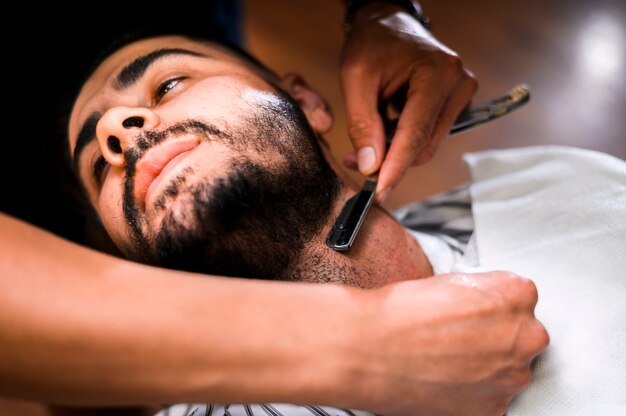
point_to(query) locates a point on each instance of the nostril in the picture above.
(133, 122)
(114, 144)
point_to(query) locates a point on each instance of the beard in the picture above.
(255, 219)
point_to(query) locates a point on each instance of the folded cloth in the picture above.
(442, 225)
(558, 215)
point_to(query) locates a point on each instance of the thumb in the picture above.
(365, 126)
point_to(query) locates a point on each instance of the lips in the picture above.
(155, 165)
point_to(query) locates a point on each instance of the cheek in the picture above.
(219, 100)
(110, 208)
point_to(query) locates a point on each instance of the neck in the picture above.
(384, 252)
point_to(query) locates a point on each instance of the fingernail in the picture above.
(367, 159)
(382, 196)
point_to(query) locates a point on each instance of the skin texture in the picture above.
(78, 327)
(481, 380)
(447, 345)
(223, 91)
(388, 57)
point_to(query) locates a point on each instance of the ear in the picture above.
(315, 108)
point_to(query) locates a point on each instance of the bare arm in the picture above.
(79, 327)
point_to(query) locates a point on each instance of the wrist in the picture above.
(335, 367)
(353, 361)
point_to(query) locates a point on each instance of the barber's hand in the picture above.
(388, 52)
(454, 345)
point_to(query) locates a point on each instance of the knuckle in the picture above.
(496, 406)
(359, 126)
(520, 292)
(541, 336)
(452, 66)
(469, 74)
(535, 340)
(506, 274)
(500, 409)
(471, 81)
(454, 62)
(516, 380)
(529, 290)
(524, 378)
(524, 289)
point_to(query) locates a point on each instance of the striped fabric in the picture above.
(274, 409)
(448, 216)
(445, 219)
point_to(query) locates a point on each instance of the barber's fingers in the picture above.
(360, 86)
(523, 296)
(517, 294)
(537, 339)
(459, 98)
(521, 292)
(516, 291)
(428, 92)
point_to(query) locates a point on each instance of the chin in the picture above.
(178, 208)
(176, 200)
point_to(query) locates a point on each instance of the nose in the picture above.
(118, 128)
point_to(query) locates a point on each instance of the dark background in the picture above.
(32, 159)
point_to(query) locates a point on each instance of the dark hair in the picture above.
(131, 37)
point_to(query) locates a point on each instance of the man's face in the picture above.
(192, 159)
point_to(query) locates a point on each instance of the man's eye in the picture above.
(99, 169)
(166, 87)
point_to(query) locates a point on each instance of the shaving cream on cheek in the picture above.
(260, 98)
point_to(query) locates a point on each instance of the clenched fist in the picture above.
(453, 345)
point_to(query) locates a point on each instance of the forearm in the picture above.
(80, 327)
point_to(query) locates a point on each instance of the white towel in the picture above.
(558, 216)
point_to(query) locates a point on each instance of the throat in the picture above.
(383, 253)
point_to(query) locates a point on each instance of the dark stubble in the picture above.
(254, 220)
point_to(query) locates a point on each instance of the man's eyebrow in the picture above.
(86, 134)
(129, 75)
(135, 70)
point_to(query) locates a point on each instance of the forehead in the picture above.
(101, 80)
